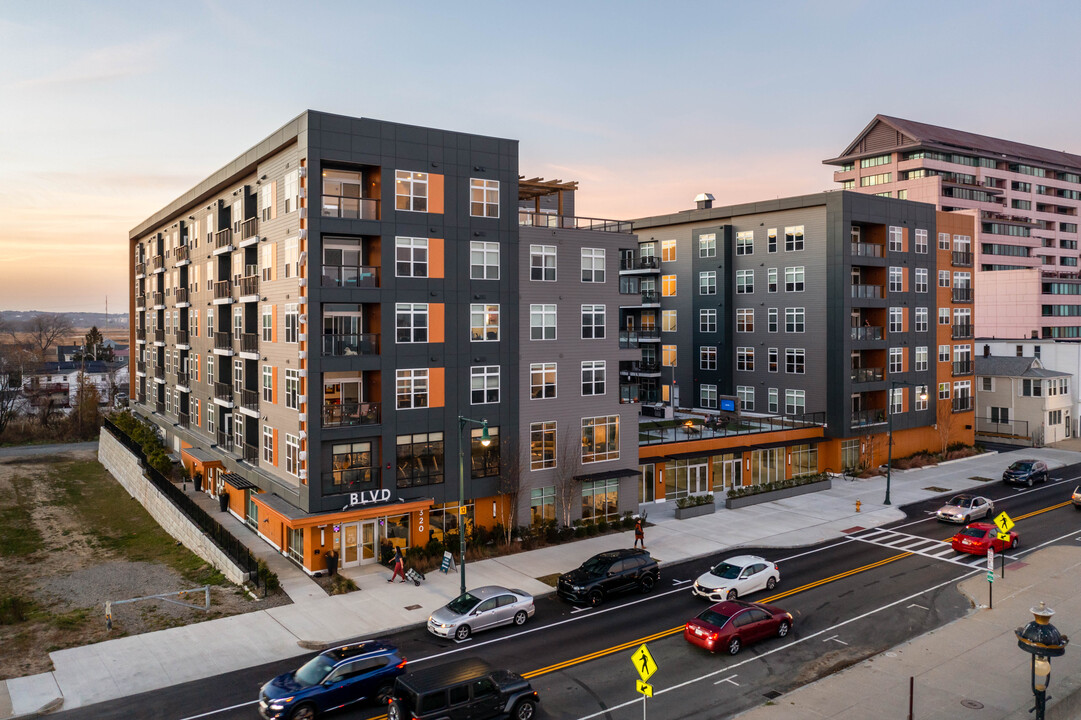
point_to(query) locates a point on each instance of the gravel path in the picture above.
(37, 450)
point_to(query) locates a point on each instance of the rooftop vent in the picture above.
(703, 201)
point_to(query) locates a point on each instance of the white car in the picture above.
(736, 577)
(480, 609)
(964, 509)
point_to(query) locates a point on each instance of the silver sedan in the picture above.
(480, 609)
(964, 509)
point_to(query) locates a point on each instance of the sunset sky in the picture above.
(109, 110)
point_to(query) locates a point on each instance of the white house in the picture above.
(1019, 401)
(1061, 355)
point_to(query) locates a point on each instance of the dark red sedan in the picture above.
(978, 536)
(732, 624)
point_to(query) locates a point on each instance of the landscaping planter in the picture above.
(695, 511)
(744, 501)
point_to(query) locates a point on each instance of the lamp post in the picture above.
(1043, 641)
(485, 440)
(889, 431)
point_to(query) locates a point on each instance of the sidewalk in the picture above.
(130, 665)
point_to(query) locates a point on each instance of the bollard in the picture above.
(108, 615)
(857, 506)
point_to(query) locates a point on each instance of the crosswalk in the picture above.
(927, 547)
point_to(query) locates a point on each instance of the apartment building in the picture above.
(1025, 199)
(259, 303)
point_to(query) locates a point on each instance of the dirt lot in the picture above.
(70, 539)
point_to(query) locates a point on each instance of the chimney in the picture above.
(704, 201)
(987, 351)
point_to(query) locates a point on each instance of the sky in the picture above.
(110, 110)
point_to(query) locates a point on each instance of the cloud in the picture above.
(105, 63)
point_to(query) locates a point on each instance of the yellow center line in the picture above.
(1038, 512)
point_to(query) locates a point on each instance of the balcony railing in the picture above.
(159, 372)
(182, 378)
(631, 338)
(158, 297)
(641, 367)
(962, 259)
(249, 228)
(962, 367)
(223, 289)
(249, 285)
(872, 292)
(346, 414)
(183, 419)
(182, 253)
(863, 418)
(962, 295)
(861, 249)
(351, 276)
(962, 331)
(225, 440)
(140, 301)
(140, 366)
(159, 406)
(864, 375)
(181, 295)
(140, 398)
(350, 208)
(223, 391)
(249, 343)
(651, 297)
(182, 337)
(157, 262)
(649, 262)
(867, 332)
(249, 399)
(350, 480)
(354, 344)
(223, 238)
(535, 219)
(159, 335)
(140, 268)
(223, 341)
(962, 404)
(140, 334)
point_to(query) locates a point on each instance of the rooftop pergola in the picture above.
(536, 188)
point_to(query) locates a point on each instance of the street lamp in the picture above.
(485, 440)
(889, 431)
(1043, 641)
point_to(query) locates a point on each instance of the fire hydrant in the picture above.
(857, 506)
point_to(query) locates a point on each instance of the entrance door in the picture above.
(368, 540)
(698, 480)
(350, 549)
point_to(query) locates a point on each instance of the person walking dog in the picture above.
(639, 535)
(399, 565)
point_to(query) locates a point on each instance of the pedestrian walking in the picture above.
(639, 535)
(399, 565)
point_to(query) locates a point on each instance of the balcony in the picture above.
(869, 292)
(348, 414)
(962, 367)
(183, 419)
(183, 379)
(251, 454)
(865, 375)
(225, 440)
(159, 336)
(962, 331)
(643, 367)
(962, 259)
(182, 338)
(182, 297)
(350, 208)
(546, 220)
(223, 341)
(863, 418)
(140, 269)
(350, 276)
(140, 398)
(649, 263)
(962, 404)
(159, 406)
(249, 229)
(140, 302)
(629, 393)
(159, 372)
(249, 343)
(632, 338)
(158, 299)
(249, 399)
(140, 367)
(140, 335)
(158, 263)
(182, 254)
(355, 344)
(249, 287)
(867, 332)
(962, 295)
(223, 240)
(223, 290)
(223, 391)
(861, 249)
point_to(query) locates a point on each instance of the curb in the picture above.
(49, 707)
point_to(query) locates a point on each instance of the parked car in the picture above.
(737, 576)
(731, 624)
(965, 508)
(333, 679)
(979, 536)
(480, 609)
(1025, 472)
(609, 573)
(467, 689)
(1076, 498)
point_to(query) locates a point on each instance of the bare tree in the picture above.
(568, 460)
(43, 330)
(510, 486)
(11, 383)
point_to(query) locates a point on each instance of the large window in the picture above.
(804, 459)
(292, 197)
(542, 504)
(921, 280)
(921, 241)
(745, 243)
(268, 445)
(410, 257)
(795, 361)
(484, 384)
(668, 355)
(267, 324)
(793, 238)
(484, 459)
(896, 238)
(707, 320)
(745, 393)
(292, 323)
(707, 245)
(745, 359)
(707, 282)
(542, 381)
(795, 320)
(668, 250)
(896, 279)
(708, 396)
(668, 285)
(744, 282)
(896, 360)
(411, 191)
(896, 319)
(352, 464)
(920, 363)
(600, 438)
(745, 320)
(412, 388)
(669, 320)
(593, 265)
(593, 372)
(795, 402)
(483, 260)
(419, 459)
(542, 445)
(292, 388)
(292, 454)
(921, 319)
(342, 196)
(542, 263)
(707, 357)
(600, 499)
(542, 322)
(411, 322)
(268, 383)
(483, 322)
(483, 198)
(593, 322)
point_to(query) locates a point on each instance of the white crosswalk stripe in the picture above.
(935, 549)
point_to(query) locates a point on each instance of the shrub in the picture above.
(777, 485)
(602, 526)
(580, 531)
(434, 548)
(552, 533)
(267, 577)
(340, 585)
(694, 501)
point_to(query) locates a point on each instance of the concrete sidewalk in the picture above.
(126, 666)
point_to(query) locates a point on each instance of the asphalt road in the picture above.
(851, 598)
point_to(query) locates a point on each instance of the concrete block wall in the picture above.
(125, 467)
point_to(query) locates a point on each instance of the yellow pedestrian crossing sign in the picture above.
(644, 688)
(1004, 537)
(1005, 524)
(643, 662)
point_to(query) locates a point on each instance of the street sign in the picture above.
(643, 662)
(644, 688)
(1005, 524)
(1004, 537)
(990, 559)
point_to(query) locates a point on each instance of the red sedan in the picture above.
(977, 537)
(732, 624)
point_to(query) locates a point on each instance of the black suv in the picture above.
(609, 573)
(463, 690)
(1025, 472)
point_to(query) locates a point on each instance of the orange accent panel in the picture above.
(436, 258)
(435, 193)
(274, 447)
(274, 392)
(273, 323)
(437, 384)
(436, 322)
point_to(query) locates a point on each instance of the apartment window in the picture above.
(944, 278)
(897, 279)
(896, 362)
(212, 411)
(895, 399)
(795, 361)
(707, 282)
(707, 357)
(268, 444)
(772, 360)
(483, 322)
(745, 243)
(266, 202)
(193, 323)
(896, 239)
(412, 388)
(1054, 417)
(411, 257)
(771, 240)
(668, 320)
(921, 241)
(707, 320)
(483, 260)
(920, 397)
(875, 161)
(648, 249)
(896, 321)
(668, 285)
(238, 323)
(484, 384)
(987, 385)
(668, 250)
(483, 198)
(268, 383)
(292, 388)
(921, 319)
(745, 359)
(593, 377)
(944, 391)
(210, 370)
(542, 322)
(943, 316)
(793, 279)
(238, 375)
(795, 320)
(593, 322)
(744, 282)
(593, 265)
(772, 322)
(668, 355)
(793, 238)
(745, 394)
(879, 179)
(292, 192)
(542, 445)
(921, 358)
(902, 194)
(771, 280)
(542, 381)
(267, 325)
(921, 280)
(291, 258)
(292, 454)
(542, 263)
(943, 353)
(292, 323)
(411, 322)
(707, 245)
(600, 438)
(745, 320)
(411, 191)
(1031, 388)
(707, 396)
(943, 241)
(795, 402)
(420, 459)
(773, 401)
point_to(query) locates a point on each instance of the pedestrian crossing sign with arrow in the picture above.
(643, 662)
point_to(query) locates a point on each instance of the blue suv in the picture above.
(333, 679)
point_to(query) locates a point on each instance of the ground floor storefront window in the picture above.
(542, 504)
(600, 499)
(685, 477)
(767, 465)
(443, 521)
(804, 460)
(727, 472)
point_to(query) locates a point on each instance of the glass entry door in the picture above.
(368, 542)
(697, 480)
(350, 551)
